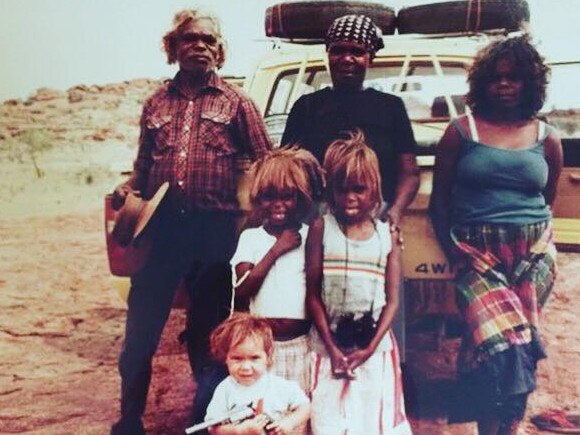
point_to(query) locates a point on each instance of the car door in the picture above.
(562, 110)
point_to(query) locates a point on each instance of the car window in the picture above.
(422, 89)
(280, 103)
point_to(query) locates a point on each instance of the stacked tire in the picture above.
(464, 16)
(309, 20)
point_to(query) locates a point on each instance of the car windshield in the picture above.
(425, 92)
(422, 89)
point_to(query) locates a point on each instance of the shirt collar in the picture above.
(213, 82)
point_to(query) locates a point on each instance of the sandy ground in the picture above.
(61, 326)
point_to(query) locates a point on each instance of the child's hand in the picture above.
(280, 427)
(357, 358)
(254, 425)
(339, 363)
(288, 241)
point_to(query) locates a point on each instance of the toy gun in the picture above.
(234, 416)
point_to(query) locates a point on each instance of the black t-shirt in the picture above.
(319, 118)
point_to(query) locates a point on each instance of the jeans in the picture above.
(198, 246)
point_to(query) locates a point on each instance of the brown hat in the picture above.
(128, 242)
(136, 213)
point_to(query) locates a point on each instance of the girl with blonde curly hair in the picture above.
(268, 265)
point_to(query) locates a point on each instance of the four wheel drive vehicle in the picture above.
(429, 74)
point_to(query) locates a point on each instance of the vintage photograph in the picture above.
(289, 217)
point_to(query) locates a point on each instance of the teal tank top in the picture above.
(500, 186)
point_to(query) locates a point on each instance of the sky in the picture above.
(62, 43)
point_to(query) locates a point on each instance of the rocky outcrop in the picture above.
(46, 94)
(81, 114)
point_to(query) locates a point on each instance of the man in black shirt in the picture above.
(319, 118)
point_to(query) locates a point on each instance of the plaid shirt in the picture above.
(195, 144)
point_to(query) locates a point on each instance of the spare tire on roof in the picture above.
(463, 16)
(309, 20)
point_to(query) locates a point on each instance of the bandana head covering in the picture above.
(356, 28)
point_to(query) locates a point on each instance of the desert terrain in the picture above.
(62, 323)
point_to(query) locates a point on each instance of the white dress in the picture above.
(373, 403)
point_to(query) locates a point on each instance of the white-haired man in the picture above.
(193, 130)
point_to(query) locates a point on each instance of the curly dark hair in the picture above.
(529, 65)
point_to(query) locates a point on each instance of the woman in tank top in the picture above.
(495, 180)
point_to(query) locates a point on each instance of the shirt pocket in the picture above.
(160, 129)
(215, 133)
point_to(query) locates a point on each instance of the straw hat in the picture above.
(129, 241)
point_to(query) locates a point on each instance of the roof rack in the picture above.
(481, 35)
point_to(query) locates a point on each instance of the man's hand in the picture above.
(393, 217)
(119, 195)
(288, 241)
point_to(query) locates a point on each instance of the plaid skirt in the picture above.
(504, 277)
(291, 361)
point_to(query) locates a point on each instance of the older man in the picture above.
(193, 130)
(319, 118)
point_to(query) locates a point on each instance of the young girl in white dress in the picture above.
(268, 263)
(353, 278)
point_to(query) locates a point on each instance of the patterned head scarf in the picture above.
(356, 28)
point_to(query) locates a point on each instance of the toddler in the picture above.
(244, 343)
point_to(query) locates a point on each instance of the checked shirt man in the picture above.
(193, 131)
